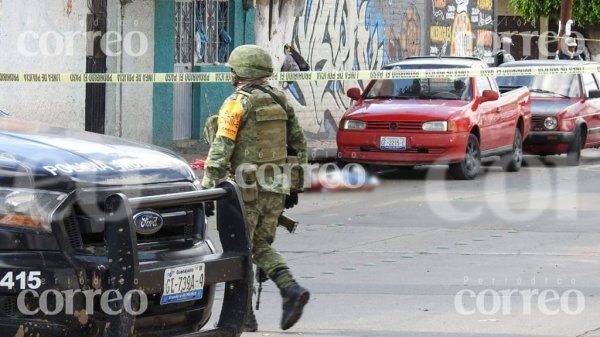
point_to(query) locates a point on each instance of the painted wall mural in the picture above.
(462, 28)
(335, 35)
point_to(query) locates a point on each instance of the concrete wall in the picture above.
(49, 36)
(46, 30)
(350, 35)
(129, 106)
(276, 24)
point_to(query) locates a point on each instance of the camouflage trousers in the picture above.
(263, 217)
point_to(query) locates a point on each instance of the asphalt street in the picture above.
(508, 254)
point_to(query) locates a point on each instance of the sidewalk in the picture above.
(318, 151)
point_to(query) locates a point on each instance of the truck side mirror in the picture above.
(594, 93)
(354, 93)
(489, 95)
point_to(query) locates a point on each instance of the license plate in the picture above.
(393, 143)
(182, 284)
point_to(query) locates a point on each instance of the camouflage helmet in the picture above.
(250, 61)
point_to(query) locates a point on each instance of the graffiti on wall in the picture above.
(335, 35)
(462, 28)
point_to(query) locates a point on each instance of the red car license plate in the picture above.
(392, 143)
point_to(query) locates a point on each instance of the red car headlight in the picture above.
(435, 126)
(550, 123)
(352, 124)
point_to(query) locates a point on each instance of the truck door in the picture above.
(488, 122)
(506, 118)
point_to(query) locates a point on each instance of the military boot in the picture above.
(294, 299)
(250, 324)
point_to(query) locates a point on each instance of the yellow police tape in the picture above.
(298, 76)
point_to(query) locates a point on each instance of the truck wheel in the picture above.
(469, 168)
(574, 151)
(512, 161)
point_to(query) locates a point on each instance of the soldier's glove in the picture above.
(209, 208)
(291, 200)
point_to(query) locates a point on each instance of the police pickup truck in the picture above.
(100, 236)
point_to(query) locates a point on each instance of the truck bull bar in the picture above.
(234, 262)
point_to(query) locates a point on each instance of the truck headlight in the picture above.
(440, 126)
(550, 123)
(197, 184)
(352, 124)
(28, 208)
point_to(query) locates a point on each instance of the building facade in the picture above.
(163, 36)
(38, 36)
(79, 36)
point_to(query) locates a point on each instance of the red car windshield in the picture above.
(566, 86)
(425, 88)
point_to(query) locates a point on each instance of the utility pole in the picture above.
(566, 11)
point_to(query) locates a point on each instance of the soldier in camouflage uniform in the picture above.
(256, 130)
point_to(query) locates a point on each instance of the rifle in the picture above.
(261, 277)
(287, 223)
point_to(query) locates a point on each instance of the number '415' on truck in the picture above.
(100, 236)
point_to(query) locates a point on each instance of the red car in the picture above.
(565, 109)
(455, 121)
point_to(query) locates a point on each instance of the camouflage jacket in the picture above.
(234, 115)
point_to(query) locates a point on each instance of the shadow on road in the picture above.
(489, 166)
(588, 157)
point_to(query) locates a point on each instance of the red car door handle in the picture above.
(498, 109)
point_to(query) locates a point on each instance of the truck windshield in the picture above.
(425, 88)
(544, 85)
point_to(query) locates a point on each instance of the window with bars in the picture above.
(211, 33)
(184, 42)
(202, 31)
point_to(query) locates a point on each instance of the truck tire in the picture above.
(512, 161)
(469, 168)
(574, 150)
